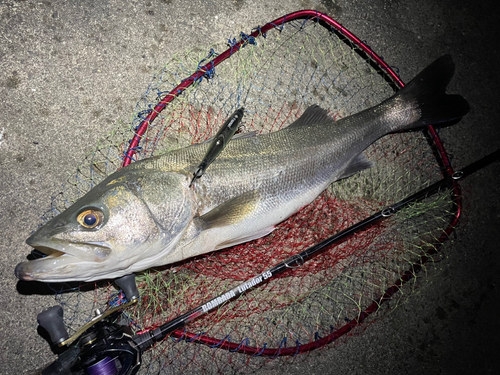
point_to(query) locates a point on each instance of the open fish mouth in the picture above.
(63, 260)
(83, 250)
(52, 268)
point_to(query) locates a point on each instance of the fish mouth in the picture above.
(63, 260)
(83, 250)
(52, 268)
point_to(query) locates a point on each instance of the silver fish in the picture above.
(146, 214)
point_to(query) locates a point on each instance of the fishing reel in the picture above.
(103, 346)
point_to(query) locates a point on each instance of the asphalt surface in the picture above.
(70, 70)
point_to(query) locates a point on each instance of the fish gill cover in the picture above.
(275, 76)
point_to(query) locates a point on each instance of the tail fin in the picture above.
(426, 93)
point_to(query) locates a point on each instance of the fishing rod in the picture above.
(106, 348)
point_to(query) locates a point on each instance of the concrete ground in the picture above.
(71, 69)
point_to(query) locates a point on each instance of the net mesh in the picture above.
(275, 78)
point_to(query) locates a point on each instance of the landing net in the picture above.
(275, 72)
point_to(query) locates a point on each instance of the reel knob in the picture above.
(51, 320)
(127, 285)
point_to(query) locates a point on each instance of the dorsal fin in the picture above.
(312, 115)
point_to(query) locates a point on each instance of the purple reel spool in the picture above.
(106, 366)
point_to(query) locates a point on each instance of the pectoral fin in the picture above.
(231, 212)
(232, 222)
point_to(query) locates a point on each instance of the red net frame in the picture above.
(440, 155)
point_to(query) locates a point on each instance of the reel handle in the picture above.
(51, 320)
(127, 285)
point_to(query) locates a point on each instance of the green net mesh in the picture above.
(275, 78)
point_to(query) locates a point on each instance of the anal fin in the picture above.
(359, 163)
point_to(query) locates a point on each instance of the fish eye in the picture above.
(90, 218)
